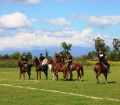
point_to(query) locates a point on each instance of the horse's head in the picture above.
(50, 61)
(36, 60)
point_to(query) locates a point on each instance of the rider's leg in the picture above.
(68, 67)
(108, 66)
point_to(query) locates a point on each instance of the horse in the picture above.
(100, 68)
(58, 66)
(40, 68)
(79, 70)
(47, 61)
(24, 69)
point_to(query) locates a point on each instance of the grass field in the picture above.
(42, 92)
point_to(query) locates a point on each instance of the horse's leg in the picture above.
(97, 75)
(28, 72)
(105, 74)
(29, 75)
(20, 75)
(46, 71)
(40, 74)
(52, 72)
(78, 75)
(53, 76)
(67, 75)
(71, 75)
(37, 74)
(46, 74)
(64, 73)
(56, 75)
(24, 75)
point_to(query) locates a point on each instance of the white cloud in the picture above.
(58, 21)
(31, 2)
(14, 20)
(40, 38)
(103, 20)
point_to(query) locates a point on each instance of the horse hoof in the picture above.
(106, 82)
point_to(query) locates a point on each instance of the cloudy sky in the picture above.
(36, 25)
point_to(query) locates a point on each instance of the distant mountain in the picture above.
(75, 51)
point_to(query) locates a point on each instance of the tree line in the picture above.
(99, 44)
(16, 56)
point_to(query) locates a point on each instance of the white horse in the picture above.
(44, 62)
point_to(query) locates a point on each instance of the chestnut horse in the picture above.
(79, 70)
(100, 68)
(24, 69)
(40, 68)
(58, 66)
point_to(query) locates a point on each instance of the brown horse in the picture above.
(58, 66)
(79, 70)
(24, 69)
(40, 68)
(100, 68)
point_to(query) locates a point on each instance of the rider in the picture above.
(61, 56)
(102, 59)
(69, 61)
(25, 60)
(41, 58)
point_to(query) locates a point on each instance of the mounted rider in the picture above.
(61, 56)
(56, 58)
(41, 58)
(69, 61)
(25, 60)
(102, 59)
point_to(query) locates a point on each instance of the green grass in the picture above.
(24, 96)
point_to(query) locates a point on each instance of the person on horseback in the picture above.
(102, 59)
(25, 60)
(41, 58)
(56, 58)
(61, 57)
(69, 61)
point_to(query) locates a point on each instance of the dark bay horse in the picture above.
(24, 69)
(40, 68)
(100, 68)
(79, 70)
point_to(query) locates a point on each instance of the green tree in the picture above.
(66, 48)
(100, 45)
(15, 55)
(116, 44)
(113, 55)
(91, 55)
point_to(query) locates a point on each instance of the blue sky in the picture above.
(37, 25)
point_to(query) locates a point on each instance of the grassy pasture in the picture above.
(10, 95)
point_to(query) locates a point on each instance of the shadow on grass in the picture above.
(110, 82)
(72, 80)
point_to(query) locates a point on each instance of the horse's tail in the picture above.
(82, 71)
